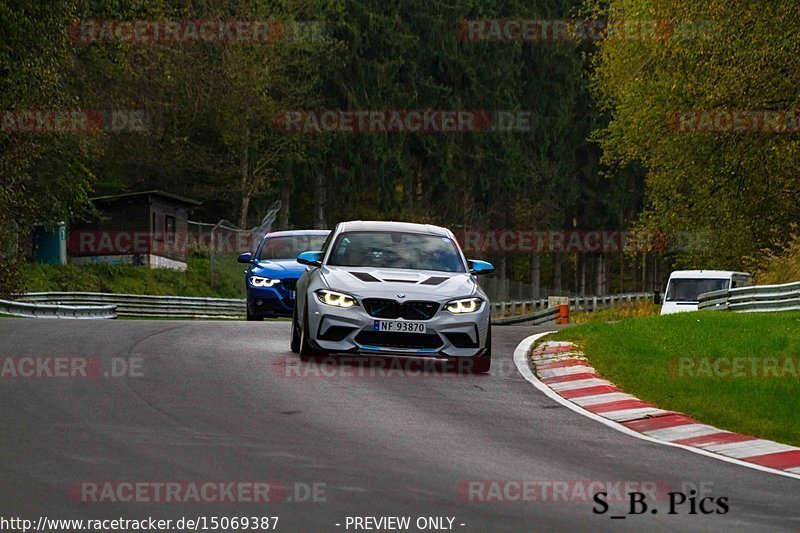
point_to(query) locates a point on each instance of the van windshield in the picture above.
(689, 290)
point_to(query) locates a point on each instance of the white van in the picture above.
(685, 286)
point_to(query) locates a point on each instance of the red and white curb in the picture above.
(566, 376)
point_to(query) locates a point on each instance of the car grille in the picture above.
(395, 339)
(289, 284)
(383, 308)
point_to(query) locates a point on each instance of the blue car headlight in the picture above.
(258, 281)
(464, 305)
(336, 299)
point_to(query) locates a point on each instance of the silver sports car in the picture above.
(392, 288)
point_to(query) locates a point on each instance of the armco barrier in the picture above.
(147, 306)
(134, 305)
(577, 304)
(39, 310)
(758, 298)
(544, 316)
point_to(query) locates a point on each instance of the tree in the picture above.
(733, 192)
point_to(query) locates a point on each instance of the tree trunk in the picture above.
(286, 195)
(601, 275)
(536, 273)
(245, 171)
(243, 212)
(557, 272)
(319, 208)
(582, 259)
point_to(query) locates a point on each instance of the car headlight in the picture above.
(336, 299)
(258, 281)
(465, 305)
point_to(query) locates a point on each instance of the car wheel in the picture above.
(483, 363)
(295, 343)
(306, 350)
(252, 317)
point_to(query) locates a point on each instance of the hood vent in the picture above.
(434, 280)
(363, 276)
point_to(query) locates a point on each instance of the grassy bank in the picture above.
(617, 312)
(126, 279)
(685, 362)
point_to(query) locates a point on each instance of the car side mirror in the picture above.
(658, 299)
(245, 258)
(479, 268)
(310, 258)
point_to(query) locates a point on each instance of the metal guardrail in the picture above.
(586, 304)
(40, 310)
(544, 316)
(147, 306)
(758, 298)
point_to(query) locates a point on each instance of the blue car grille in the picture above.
(383, 308)
(289, 284)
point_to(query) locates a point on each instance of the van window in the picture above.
(741, 281)
(689, 290)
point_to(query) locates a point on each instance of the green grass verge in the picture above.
(127, 279)
(643, 357)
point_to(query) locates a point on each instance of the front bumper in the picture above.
(269, 301)
(353, 330)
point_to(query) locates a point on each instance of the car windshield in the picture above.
(689, 290)
(379, 249)
(289, 246)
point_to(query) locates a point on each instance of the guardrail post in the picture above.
(563, 314)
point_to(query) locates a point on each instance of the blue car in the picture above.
(271, 277)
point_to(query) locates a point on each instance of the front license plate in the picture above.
(291, 295)
(404, 327)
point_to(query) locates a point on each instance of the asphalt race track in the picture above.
(229, 401)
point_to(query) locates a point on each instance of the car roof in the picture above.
(295, 232)
(705, 274)
(407, 227)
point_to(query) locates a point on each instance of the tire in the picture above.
(295, 343)
(481, 364)
(307, 351)
(253, 318)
